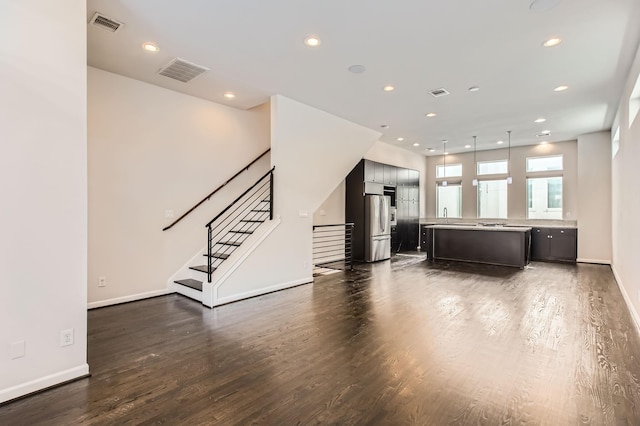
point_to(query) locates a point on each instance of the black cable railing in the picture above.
(215, 190)
(233, 225)
(332, 246)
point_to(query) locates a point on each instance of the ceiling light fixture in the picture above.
(561, 88)
(416, 144)
(431, 114)
(432, 150)
(229, 95)
(474, 88)
(509, 179)
(388, 88)
(475, 164)
(467, 146)
(544, 143)
(400, 139)
(500, 142)
(540, 120)
(553, 41)
(384, 126)
(150, 47)
(312, 41)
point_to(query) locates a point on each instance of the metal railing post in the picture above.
(271, 195)
(209, 249)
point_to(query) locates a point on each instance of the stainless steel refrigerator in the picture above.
(377, 227)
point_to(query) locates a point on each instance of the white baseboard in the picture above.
(261, 291)
(43, 383)
(598, 261)
(627, 299)
(130, 298)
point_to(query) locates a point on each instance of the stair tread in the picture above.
(261, 210)
(229, 243)
(218, 255)
(238, 231)
(201, 268)
(191, 283)
(252, 221)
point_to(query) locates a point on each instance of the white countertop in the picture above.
(481, 227)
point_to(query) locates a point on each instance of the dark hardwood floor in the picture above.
(406, 342)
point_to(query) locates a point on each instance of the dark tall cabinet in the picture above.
(556, 244)
(403, 183)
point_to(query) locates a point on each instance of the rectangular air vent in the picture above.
(182, 70)
(105, 22)
(439, 92)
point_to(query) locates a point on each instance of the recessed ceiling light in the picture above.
(384, 126)
(229, 95)
(444, 141)
(446, 153)
(388, 88)
(432, 150)
(500, 142)
(312, 41)
(431, 114)
(553, 41)
(561, 88)
(357, 69)
(416, 144)
(544, 143)
(545, 132)
(474, 88)
(540, 120)
(150, 47)
(467, 146)
(400, 139)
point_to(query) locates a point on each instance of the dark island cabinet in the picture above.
(554, 244)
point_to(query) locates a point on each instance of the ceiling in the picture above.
(255, 49)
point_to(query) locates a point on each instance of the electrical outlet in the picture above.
(66, 337)
(102, 281)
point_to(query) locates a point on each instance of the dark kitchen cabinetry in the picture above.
(403, 185)
(555, 244)
(426, 240)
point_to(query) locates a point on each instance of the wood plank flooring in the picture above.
(407, 342)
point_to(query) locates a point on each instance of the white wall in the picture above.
(312, 151)
(594, 197)
(152, 150)
(331, 211)
(517, 191)
(43, 182)
(626, 202)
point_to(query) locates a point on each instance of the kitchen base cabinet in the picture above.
(554, 244)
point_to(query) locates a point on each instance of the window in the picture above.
(544, 198)
(452, 170)
(492, 167)
(492, 199)
(450, 198)
(634, 102)
(544, 164)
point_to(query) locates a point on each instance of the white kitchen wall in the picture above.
(43, 182)
(517, 191)
(625, 186)
(312, 151)
(153, 150)
(332, 209)
(594, 197)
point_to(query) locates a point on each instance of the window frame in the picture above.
(552, 171)
(441, 166)
(505, 173)
(449, 184)
(502, 179)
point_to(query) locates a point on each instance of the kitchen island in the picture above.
(497, 245)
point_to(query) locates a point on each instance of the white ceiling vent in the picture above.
(439, 92)
(182, 70)
(104, 22)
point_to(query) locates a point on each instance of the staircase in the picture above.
(226, 234)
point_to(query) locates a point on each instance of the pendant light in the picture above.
(475, 164)
(444, 162)
(509, 179)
